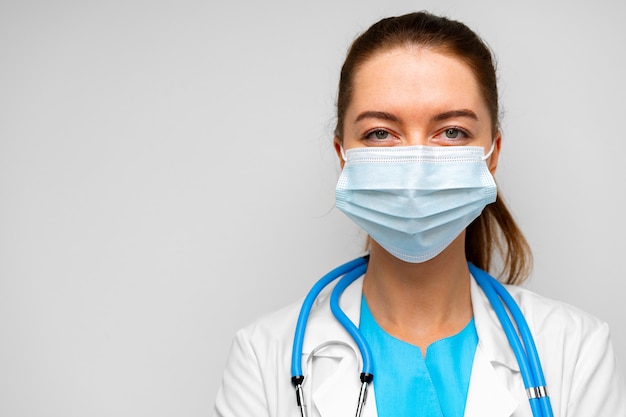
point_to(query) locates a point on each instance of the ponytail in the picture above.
(495, 232)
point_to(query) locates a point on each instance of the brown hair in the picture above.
(494, 231)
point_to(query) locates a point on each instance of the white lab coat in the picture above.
(574, 347)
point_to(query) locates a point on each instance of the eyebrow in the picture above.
(455, 113)
(377, 115)
(371, 114)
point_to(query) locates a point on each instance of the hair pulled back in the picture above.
(494, 232)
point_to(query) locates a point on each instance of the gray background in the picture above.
(167, 175)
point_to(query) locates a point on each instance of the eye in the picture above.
(452, 133)
(378, 134)
(452, 136)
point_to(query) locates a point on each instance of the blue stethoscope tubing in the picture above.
(350, 271)
(307, 304)
(523, 347)
(522, 343)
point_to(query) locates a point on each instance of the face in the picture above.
(415, 96)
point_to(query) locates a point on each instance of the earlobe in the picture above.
(493, 159)
(337, 144)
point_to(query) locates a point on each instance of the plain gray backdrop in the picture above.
(167, 175)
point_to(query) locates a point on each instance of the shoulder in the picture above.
(257, 369)
(279, 326)
(274, 327)
(577, 355)
(571, 342)
(562, 333)
(260, 352)
(553, 317)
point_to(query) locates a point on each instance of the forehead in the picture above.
(416, 78)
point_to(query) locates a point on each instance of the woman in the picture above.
(418, 141)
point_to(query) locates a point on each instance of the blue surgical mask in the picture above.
(415, 200)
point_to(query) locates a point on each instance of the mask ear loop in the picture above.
(488, 154)
(343, 153)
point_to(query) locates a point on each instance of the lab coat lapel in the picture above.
(489, 395)
(335, 392)
(338, 395)
(332, 397)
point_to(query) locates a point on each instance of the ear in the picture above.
(492, 163)
(337, 144)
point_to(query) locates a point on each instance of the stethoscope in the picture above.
(521, 340)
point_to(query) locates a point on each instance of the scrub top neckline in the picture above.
(408, 383)
(470, 324)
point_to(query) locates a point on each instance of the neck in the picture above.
(419, 303)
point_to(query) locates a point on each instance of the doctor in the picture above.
(418, 141)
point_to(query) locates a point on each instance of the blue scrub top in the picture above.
(407, 384)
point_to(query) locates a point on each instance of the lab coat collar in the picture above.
(491, 336)
(486, 387)
(337, 395)
(322, 326)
